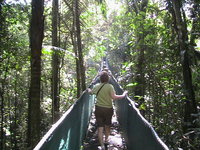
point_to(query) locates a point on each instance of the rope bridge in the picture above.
(70, 130)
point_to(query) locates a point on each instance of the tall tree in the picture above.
(79, 44)
(73, 34)
(55, 63)
(78, 73)
(3, 79)
(1, 94)
(140, 10)
(36, 38)
(181, 29)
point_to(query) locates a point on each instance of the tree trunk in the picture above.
(78, 74)
(36, 38)
(2, 119)
(3, 104)
(73, 38)
(15, 112)
(79, 45)
(139, 79)
(140, 65)
(195, 23)
(55, 63)
(190, 103)
(2, 29)
(1, 88)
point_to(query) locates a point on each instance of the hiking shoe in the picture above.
(101, 147)
(107, 142)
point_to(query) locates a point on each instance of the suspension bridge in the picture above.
(70, 131)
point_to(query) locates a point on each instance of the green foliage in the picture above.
(46, 51)
(132, 84)
(103, 7)
(91, 73)
(14, 74)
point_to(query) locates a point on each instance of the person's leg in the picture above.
(107, 132)
(109, 115)
(100, 136)
(100, 124)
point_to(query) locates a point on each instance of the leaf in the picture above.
(46, 51)
(142, 107)
(132, 84)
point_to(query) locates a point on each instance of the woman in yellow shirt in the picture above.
(105, 93)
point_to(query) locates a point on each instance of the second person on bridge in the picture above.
(105, 93)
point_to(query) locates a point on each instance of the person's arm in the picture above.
(89, 90)
(92, 90)
(115, 97)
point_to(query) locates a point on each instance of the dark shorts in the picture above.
(103, 116)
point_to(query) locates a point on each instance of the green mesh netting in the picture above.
(138, 133)
(68, 132)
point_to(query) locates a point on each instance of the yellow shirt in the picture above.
(104, 96)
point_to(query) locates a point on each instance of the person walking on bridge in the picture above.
(105, 93)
